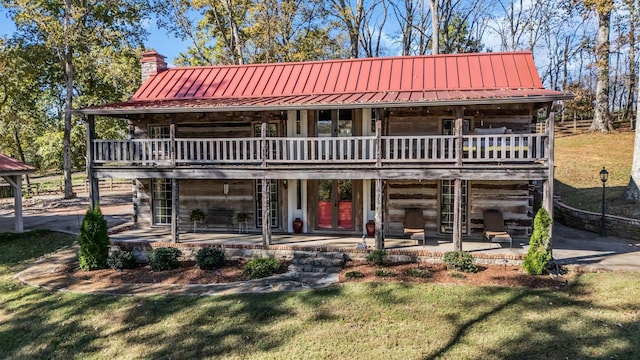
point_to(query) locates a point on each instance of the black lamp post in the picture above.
(604, 175)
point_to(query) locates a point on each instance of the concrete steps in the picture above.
(311, 262)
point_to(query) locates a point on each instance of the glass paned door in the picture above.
(447, 204)
(161, 203)
(273, 202)
(335, 204)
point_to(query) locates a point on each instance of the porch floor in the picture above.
(320, 241)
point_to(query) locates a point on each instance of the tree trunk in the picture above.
(68, 71)
(601, 121)
(632, 63)
(435, 27)
(633, 189)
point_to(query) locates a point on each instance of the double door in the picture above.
(335, 205)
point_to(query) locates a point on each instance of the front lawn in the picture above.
(596, 316)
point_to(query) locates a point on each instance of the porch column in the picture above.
(266, 195)
(172, 141)
(16, 183)
(547, 191)
(266, 216)
(379, 189)
(378, 216)
(457, 183)
(94, 186)
(457, 215)
(175, 211)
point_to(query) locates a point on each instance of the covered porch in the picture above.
(436, 246)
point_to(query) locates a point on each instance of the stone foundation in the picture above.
(141, 252)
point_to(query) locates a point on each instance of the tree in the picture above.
(601, 119)
(633, 189)
(72, 29)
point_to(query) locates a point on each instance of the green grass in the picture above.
(578, 161)
(596, 317)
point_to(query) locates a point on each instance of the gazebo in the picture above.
(11, 170)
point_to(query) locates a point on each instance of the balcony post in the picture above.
(263, 137)
(94, 189)
(172, 140)
(459, 116)
(547, 191)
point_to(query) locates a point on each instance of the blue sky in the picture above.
(159, 40)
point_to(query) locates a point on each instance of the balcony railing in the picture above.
(314, 150)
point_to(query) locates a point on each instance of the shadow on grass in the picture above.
(533, 335)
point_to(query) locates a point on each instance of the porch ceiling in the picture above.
(346, 100)
(515, 172)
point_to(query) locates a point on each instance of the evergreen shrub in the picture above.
(164, 258)
(209, 258)
(539, 254)
(94, 241)
(121, 259)
(460, 260)
(261, 267)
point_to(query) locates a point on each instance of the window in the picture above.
(298, 122)
(161, 201)
(448, 126)
(447, 203)
(160, 132)
(273, 200)
(299, 194)
(374, 118)
(272, 130)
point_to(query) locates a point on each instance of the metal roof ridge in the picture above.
(363, 59)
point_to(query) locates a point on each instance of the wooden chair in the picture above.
(414, 224)
(494, 229)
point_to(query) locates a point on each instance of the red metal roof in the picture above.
(10, 165)
(407, 80)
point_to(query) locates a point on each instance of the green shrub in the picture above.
(121, 259)
(384, 273)
(261, 267)
(164, 258)
(354, 275)
(94, 241)
(539, 254)
(376, 257)
(209, 258)
(419, 273)
(460, 260)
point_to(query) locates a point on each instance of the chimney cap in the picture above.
(152, 55)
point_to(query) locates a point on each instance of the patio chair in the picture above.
(414, 224)
(494, 229)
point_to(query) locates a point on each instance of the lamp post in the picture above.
(604, 175)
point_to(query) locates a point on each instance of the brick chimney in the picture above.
(151, 64)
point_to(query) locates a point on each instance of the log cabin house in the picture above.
(415, 144)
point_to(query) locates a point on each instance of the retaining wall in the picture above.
(141, 251)
(589, 221)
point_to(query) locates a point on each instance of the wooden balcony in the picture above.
(396, 151)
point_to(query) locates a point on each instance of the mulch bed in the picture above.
(232, 271)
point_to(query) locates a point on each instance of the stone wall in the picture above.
(589, 221)
(141, 252)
